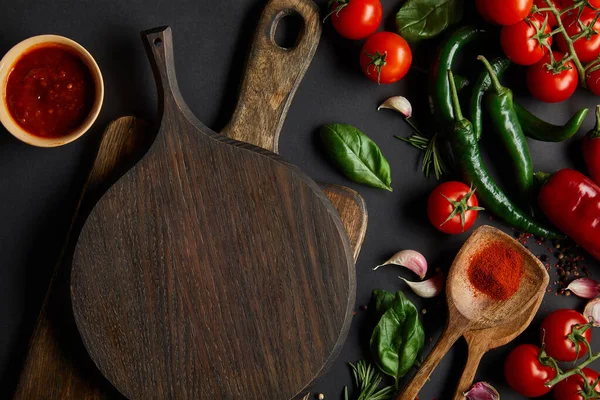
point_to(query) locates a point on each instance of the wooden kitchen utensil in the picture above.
(57, 366)
(229, 272)
(481, 341)
(469, 310)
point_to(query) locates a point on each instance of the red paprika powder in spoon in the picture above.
(496, 271)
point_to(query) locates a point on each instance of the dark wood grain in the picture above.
(57, 365)
(213, 268)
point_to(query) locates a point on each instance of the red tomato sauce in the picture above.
(49, 91)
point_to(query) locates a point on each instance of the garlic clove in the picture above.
(585, 287)
(592, 311)
(410, 259)
(398, 103)
(482, 391)
(429, 288)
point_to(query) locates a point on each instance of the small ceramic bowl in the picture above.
(6, 65)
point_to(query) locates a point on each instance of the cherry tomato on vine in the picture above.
(593, 81)
(452, 207)
(504, 12)
(385, 57)
(356, 19)
(550, 86)
(525, 373)
(587, 49)
(551, 18)
(554, 331)
(520, 41)
(570, 388)
(568, 3)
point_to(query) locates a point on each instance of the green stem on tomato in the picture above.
(569, 42)
(560, 375)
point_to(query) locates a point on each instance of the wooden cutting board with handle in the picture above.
(57, 365)
(212, 268)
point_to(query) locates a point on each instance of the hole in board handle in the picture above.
(158, 42)
(287, 29)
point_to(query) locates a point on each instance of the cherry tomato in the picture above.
(587, 49)
(445, 199)
(551, 18)
(550, 87)
(385, 57)
(554, 331)
(593, 81)
(570, 388)
(356, 19)
(504, 12)
(525, 373)
(568, 3)
(519, 43)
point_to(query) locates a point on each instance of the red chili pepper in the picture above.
(571, 201)
(591, 150)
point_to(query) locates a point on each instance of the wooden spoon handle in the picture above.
(448, 338)
(477, 349)
(273, 74)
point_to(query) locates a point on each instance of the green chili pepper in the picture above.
(538, 129)
(439, 90)
(470, 164)
(533, 127)
(482, 84)
(499, 102)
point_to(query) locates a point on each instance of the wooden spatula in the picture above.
(481, 341)
(469, 311)
(213, 268)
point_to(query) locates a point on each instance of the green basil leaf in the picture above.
(357, 156)
(383, 301)
(398, 338)
(423, 19)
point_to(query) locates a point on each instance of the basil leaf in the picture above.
(398, 338)
(383, 301)
(357, 156)
(423, 19)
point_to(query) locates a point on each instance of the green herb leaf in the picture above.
(357, 156)
(383, 301)
(423, 19)
(398, 338)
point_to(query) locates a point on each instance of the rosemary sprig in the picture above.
(367, 379)
(432, 154)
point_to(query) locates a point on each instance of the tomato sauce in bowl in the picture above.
(49, 91)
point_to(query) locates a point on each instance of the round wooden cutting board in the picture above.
(213, 269)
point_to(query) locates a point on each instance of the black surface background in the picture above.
(39, 187)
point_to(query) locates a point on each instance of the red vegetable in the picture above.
(593, 80)
(550, 86)
(554, 334)
(572, 202)
(551, 18)
(504, 12)
(356, 19)
(570, 388)
(385, 57)
(525, 373)
(591, 150)
(519, 41)
(452, 207)
(586, 47)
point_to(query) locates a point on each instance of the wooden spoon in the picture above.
(470, 310)
(481, 341)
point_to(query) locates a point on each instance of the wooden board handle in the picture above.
(273, 74)
(159, 47)
(449, 337)
(476, 352)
